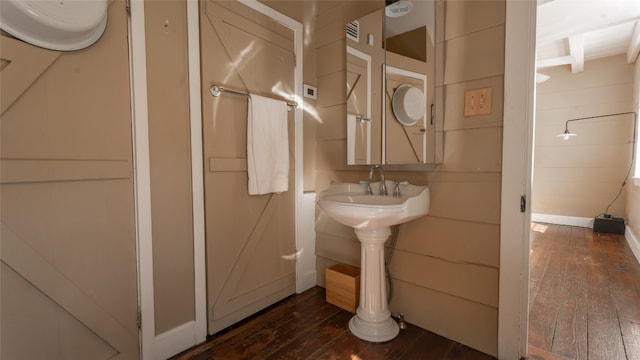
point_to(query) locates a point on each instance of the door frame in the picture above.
(517, 159)
(141, 178)
(197, 171)
(149, 348)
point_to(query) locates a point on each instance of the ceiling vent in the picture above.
(353, 30)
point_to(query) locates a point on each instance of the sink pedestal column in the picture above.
(373, 321)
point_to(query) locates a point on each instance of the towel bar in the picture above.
(216, 91)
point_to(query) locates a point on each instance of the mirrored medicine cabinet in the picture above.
(390, 86)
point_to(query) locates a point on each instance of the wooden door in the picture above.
(67, 235)
(250, 240)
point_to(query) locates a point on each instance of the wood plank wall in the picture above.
(581, 176)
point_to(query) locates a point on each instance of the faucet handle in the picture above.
(367, 183)
(396, 188)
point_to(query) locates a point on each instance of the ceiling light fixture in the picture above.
(398, 8)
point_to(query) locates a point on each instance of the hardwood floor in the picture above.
(305, 326)
(584, 300)
(584, 303)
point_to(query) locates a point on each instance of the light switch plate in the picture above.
(478, 101)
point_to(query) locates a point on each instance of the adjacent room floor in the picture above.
(584, 300)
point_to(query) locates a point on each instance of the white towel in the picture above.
(267, 146)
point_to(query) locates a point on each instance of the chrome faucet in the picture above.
(383, 186)
(368, 184)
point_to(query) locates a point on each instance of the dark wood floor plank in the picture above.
(540, 253)
(300, 322)
(275, 329)
(429, 346)
(575, 280)
(570, 332)
(554, 272)
(619, 267)
(306, 327)
(545, 306)
(627, 305)
(538, 354)
(570, 338)
(345, 346)
(462, 352)
(233, 342)
(397, 348)
(623, 272)
(542, 324)
(584, 304)
(604, 333)
(310, 341)
(598, 299)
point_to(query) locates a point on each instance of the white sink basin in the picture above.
(348, 204)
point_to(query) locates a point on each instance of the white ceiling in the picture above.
(570, 32)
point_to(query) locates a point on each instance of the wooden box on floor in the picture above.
(343, 286)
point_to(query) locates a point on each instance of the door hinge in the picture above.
(127, 7)
(523, 203)
(139, 319)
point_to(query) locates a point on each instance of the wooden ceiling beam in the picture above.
(556, 61)
(576, 51)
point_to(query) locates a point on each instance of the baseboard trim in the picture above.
(562, 220)
(174, 341)
(632, 240)
(634, 243)
(306, 281)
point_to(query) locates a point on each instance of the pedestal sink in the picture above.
(372, 217)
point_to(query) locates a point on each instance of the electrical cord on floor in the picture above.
(633, 157)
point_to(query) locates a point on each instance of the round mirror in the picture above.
(408, 104)
(62, 25)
